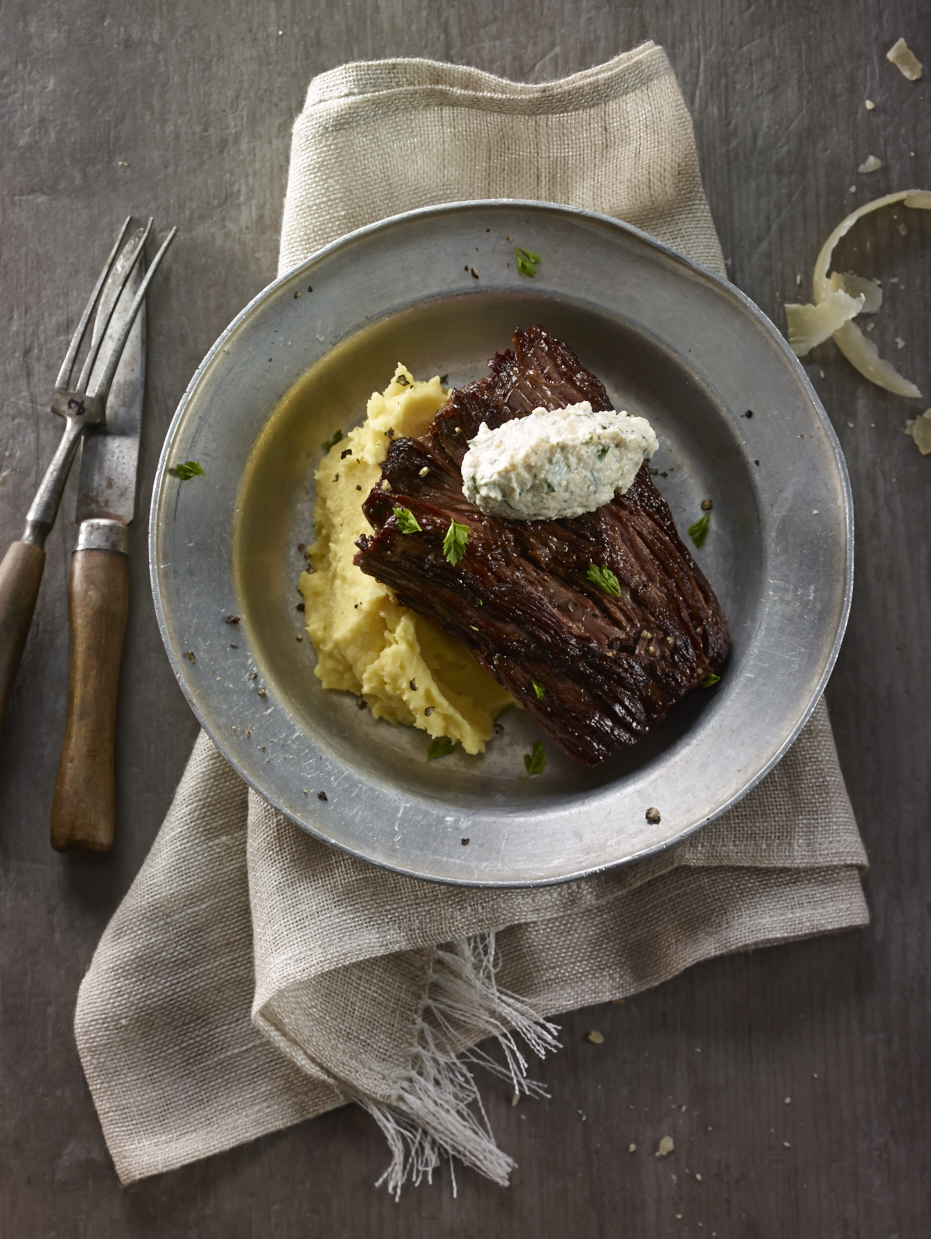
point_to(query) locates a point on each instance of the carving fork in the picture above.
(21, 568)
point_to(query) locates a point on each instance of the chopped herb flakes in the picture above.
(710, 680)
(407, 521)
(331, 443)
(188, 470)
(534, 761)
(538, 688)
(440, 748)
(526, 261)
(604, 578)
(698, 531)
(454, 543)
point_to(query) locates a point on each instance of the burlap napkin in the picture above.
(254, 977)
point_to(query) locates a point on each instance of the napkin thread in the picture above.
(254, 977)
(438, 1110)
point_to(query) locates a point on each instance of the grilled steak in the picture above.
(608, 667)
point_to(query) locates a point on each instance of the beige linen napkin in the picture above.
(254, 977)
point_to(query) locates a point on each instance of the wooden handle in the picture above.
(20, 577)
(84, 802)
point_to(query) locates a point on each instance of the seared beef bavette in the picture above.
(608, 667)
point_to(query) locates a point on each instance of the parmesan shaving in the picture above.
(920, 430)
(813, 324)
(864, 356)
(858, 286)
(804, 323)
(905, 60)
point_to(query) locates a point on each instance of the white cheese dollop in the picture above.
(555, 463)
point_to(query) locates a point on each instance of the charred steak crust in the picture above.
(520, 599)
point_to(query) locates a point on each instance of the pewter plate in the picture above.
(672, 343)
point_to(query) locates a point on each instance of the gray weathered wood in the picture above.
(183, 109)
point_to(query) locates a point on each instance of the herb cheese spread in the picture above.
(555, 463)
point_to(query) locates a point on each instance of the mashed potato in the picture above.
(400, 663)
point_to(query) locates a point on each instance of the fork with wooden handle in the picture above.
(82, 402)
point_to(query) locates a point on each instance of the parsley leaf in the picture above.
(331, 443)
(454, 543)
(539, 689)
(407, 521)
(440, 748)
(709, 680)
(188, 470)
(603, 451)
(699, 530)
(526, 261)
(534, 761)
(604, 578)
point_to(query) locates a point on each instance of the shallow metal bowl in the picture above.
(439, 290)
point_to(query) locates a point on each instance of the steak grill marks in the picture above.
(520, 599)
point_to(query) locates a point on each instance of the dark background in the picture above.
(183, 109)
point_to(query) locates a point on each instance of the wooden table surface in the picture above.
(183, 108)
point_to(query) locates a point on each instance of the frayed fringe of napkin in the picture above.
(438, 1111)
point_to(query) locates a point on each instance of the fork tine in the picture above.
(64, 375)
(103, 386)
(96, 342)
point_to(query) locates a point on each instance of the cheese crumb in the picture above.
(920, 430)
(595, 1037)
(665, 1147)
(869, 105)
(870, 164)
(905, 60)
